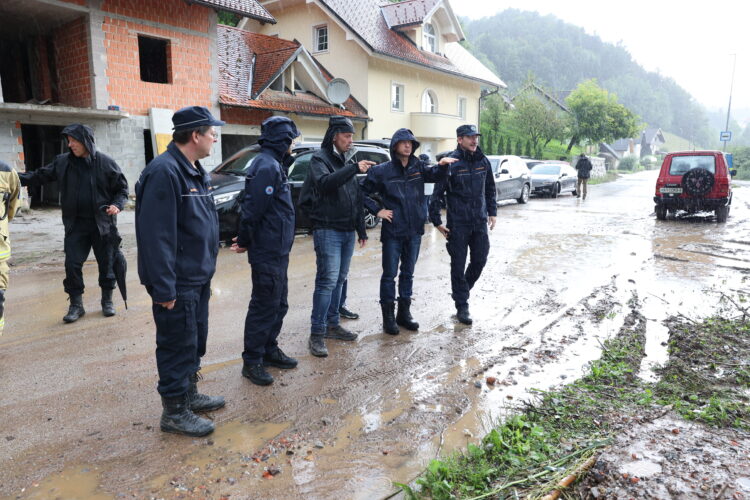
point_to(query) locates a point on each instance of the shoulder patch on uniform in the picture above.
(269, 190)
(193, 190)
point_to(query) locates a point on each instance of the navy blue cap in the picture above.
(193, 117)
(464, 130)
(278, 128)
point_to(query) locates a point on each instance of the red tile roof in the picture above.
(407, 12)
(245, 8)
(236, 51)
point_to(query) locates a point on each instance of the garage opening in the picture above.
(41, 143)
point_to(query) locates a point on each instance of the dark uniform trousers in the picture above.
(83, 236)
(267, 309)
(181, 338)
(463, 240)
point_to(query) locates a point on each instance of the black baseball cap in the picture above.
(193, 117)
(465, 130)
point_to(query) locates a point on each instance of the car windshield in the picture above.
(298, 169)
(546, 169)
(681, 164)
(238, 166)
(495, 162)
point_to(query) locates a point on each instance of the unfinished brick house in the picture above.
(105, 63)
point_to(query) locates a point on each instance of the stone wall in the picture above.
(599, 169)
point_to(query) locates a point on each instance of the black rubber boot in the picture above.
(389, 319)
(462, 313)
(201, 402)
(317, 346)
(403, 318)
(178, 419)
(75, 310)
(108, 308)
(280, 360)
(257, 374)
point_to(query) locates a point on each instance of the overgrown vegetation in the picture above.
(706, 379)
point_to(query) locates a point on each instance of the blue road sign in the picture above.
(725, 136)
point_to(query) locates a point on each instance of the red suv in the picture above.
(694, 181)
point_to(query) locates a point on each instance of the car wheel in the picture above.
(524, 194)
(661, 212)
(371, 220)
(555, 191)
(722, 213)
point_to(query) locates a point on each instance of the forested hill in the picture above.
(519, 44)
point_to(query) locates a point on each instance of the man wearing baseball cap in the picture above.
(470, 194)
(177, 229)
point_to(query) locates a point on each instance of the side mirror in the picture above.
(733, 172)
(564, 175)
(504, 171)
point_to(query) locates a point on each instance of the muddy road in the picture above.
(80, 412)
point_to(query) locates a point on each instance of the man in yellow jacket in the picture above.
(10, 188)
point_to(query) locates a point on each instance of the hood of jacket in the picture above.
(336, 124)
(403, 134)
(83, 134)
(276, 135)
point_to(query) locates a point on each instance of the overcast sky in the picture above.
(692, 45)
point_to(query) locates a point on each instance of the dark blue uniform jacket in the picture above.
(176, 225)
(469, 190)
(401, 190)
(267, 224)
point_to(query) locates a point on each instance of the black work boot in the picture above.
(317, 346)
(340, 333)
(178, 418)
(346, 313)
(108, 308)
(389, 319)
(403, 318)
(462, 313)
(201, 402)
(278, 359)
(75, 310)
(257, 374)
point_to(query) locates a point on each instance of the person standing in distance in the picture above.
(583, 166)
(267, 234)
(177, 230)
(469, 191)
(337, 214)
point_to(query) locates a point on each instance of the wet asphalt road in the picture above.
(79, 409)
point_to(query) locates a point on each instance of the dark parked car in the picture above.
(553, 179)
(512, 178)
(228, 181)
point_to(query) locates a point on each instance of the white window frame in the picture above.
(316, 39)
(465, 101)
(401, 107)
(429, 40)
(433, 99)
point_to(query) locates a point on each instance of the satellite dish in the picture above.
(338, 91)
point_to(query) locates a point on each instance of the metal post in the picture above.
(729, 107)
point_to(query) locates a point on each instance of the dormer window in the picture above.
(429, 41)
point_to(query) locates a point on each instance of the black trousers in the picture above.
(181, 335)
(83, 236)
(463, 240)
(267, 309)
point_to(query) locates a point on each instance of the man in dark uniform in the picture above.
(92, 192)
(267, 233)
(400, 184)
(470, 194)
(177, 229)
(583, 166)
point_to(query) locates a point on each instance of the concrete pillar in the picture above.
(97, 56)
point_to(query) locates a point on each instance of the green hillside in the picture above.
(559, 56)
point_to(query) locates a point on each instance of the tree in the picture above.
(527, 151)
(519, 148)
(598, 117)
(537, 118)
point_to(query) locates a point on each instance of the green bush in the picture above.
(649, 161)
(628, 163)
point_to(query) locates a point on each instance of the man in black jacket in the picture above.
(583, 166)
(337, 212)
(469, 190)
(92, 192)
(400, 184)
(267, 233)
(177, 229)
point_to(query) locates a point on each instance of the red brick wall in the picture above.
(43, 69)
(77, 2)
(243, 116)
(72, 56)
(190, 64)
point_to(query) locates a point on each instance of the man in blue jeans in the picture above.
(400, 184)
(337, 212)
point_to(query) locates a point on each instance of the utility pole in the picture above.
(729, 107)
